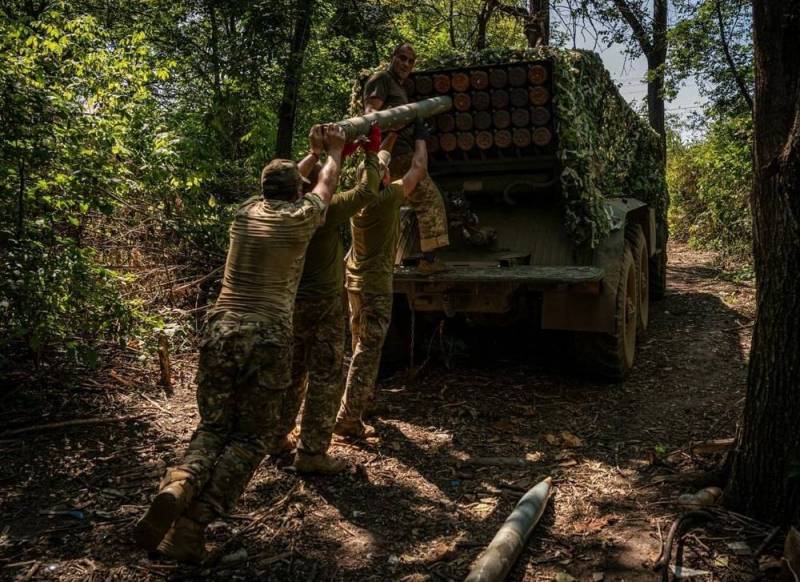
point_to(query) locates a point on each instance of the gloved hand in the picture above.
(373, 143)
(421, 130)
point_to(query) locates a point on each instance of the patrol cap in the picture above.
(280, 179)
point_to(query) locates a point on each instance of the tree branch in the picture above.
(639, 31)
(728, 57)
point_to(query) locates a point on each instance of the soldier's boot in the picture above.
(284, 446)
(321, 464)
(173, 497)
(356, 429)
(431, 264)
(184, 542)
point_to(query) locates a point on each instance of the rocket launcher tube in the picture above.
(394, 117)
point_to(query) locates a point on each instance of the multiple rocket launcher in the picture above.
(498, 110)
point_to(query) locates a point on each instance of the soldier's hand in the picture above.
(316, 139)
(334, 138)
(421, 130)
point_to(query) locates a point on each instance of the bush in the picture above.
(710, 183)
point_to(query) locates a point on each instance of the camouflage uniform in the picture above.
(244, 364)
(426, 199)
(370, 268)
(319, 331)
(370, 315)
(427, 202)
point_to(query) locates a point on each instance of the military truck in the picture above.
(556, 202)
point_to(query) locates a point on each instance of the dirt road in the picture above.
(417, 506)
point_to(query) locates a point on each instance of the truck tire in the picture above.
(641, 260)
(609, 356)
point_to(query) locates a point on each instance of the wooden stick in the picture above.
(164, 363)
(71, 423)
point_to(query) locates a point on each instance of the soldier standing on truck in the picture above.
(319, 327)
(384, 90)
(370, 269)
(245, 356)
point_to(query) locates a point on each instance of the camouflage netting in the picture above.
(605, 148)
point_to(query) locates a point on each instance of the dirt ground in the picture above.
(418, 504)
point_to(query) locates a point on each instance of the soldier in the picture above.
(382, 91)
(245, 356)
(370, 268)
(319, 328)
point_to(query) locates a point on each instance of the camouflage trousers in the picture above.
(316, 372)
(370, 315)
(242, 378)
(428, 204)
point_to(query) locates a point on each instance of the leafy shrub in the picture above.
(710, 183)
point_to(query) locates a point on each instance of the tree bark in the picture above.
(764, 481)
(294, 74)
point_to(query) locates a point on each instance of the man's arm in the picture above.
(375, 91)
(316, 143)
(419, 163)
(329, 175)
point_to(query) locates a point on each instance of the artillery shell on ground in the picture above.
(537, 75)
(479, 80)
(501, 119)
(481, 100)
(539, 96)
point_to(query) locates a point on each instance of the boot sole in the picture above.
(155, 523)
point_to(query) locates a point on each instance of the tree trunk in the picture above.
(294, 73)
(537, 24)
(656, 60)
(764, 478)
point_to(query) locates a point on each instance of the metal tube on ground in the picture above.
(394, 117)
(496, 561)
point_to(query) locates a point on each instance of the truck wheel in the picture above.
(609, 356)
(641, 260)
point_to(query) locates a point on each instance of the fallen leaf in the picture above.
(570, 440)
(598, 576)
(551, 439)
(564, 577)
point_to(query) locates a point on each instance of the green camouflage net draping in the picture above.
(605, 147)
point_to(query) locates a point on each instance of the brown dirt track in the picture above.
(414, 507)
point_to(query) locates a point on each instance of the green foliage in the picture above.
(710, 183)
(70, 97)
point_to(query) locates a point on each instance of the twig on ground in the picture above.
(71, 423)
